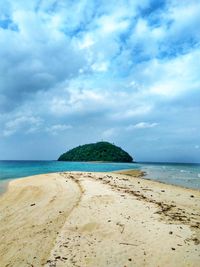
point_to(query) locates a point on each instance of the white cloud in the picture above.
(173, 77)
(100, 66)
(87, 42)
(22, 123)
(185, 18)
(57, 128)
(113, 23)
(29, 124)
(142, 125)
(109, 133)
(127, 112)
(73, 100)
(43, 56)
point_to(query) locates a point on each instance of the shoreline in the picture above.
(4, 184)
(142, 176)
(98, 219)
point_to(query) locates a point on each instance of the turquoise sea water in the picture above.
(187, 175)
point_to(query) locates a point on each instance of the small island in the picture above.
(100, 151)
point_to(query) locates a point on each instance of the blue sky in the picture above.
(75, 72)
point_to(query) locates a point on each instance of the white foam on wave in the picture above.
(184, 171)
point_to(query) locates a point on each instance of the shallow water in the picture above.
(187, 175)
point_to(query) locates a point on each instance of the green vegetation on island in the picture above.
(101, 151)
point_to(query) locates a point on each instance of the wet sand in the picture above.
(97, 220)
(4, 186)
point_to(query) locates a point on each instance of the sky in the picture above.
(76, 72)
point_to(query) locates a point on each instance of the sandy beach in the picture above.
(97, 220)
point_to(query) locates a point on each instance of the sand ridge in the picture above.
(31, 215)
(109, 219)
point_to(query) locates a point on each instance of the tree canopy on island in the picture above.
(101, 151)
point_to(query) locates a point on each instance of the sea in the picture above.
(181, 174)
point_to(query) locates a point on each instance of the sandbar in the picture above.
(98, 219)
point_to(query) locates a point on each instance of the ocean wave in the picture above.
(184, 171)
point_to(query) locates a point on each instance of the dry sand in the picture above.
(98, 220)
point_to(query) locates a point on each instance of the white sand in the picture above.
(98, 219)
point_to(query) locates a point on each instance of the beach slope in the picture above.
(98, 219)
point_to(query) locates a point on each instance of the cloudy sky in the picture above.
(75, 72)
